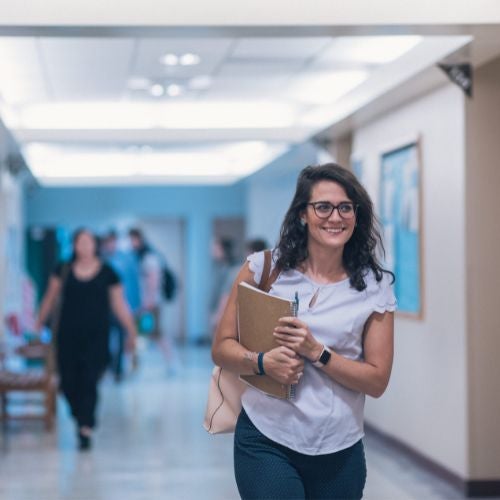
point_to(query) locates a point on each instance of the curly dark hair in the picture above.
(359, 254)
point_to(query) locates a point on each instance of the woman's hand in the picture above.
(295, 334)
(283, 365)
(38, 326)
(131, 343)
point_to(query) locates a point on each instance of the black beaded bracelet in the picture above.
(260, 363)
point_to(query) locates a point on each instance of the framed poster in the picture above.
(400, 207)
(358, 168)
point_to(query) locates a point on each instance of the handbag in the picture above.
(226, 388)
(146, 323)
(224, 401)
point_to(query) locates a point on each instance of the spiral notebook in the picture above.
(258, 315)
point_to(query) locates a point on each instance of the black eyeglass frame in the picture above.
(354, 207)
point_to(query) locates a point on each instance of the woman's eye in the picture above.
(323, 207)
(345, 208)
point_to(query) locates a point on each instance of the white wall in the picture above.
(483, 272)
(11, 233)
(425, 405)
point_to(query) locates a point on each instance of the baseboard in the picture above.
(483, 488)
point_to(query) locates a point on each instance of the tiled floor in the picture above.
(150, 445)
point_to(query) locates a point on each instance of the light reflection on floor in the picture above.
(150, 445)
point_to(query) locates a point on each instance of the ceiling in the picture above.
(105, 110)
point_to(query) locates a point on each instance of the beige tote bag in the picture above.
(224, 401)
(226, 388)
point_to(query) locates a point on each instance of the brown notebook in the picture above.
(258, 315)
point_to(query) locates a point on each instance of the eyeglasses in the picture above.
(324, 209)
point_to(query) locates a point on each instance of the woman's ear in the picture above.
(302, 218)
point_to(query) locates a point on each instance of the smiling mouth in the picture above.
(334, 230)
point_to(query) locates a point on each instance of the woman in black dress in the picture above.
(90, 290)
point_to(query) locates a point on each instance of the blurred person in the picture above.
(150, 279)
(126, 266)
(153, 270)
(338, 349)
(88, 290)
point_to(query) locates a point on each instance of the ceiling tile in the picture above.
(21, 75)
(87, 68)
(260, 69)
(279, 48)
(242, 87)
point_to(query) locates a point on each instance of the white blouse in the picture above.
(325, 416)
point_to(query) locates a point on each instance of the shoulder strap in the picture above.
(268, 278)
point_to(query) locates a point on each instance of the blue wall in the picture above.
(262, 198)
(100, 208)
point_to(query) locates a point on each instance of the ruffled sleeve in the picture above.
(385, 300)
(256, 264)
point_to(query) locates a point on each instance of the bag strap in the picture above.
(268, 278)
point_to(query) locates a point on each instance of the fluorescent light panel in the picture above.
(370, 49)
(326, 87)
(143, 115)
(229, 162)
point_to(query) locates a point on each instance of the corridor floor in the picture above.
(150, 445)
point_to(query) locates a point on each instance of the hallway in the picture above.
(151, 445)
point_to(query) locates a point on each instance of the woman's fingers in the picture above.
(288, 352)
(291, 320)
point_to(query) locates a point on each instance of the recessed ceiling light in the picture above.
(174, 90)
(157, 90)
(169, 60)
(189, 59)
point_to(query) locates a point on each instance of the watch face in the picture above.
(325, 357)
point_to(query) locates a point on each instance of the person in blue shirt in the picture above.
(126, 265)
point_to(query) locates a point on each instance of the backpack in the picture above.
(168, 284)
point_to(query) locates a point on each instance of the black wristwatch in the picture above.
(324, 357)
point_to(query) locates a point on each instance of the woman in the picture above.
(89, 290)
(338, 349)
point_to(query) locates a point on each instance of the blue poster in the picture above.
(400, 217)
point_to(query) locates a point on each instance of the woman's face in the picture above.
(85, 245)
(334, 231)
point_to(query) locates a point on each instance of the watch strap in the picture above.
(324, 357)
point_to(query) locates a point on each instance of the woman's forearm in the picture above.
(45, 309)
(125, 318)
(357, 375)
(230, 354)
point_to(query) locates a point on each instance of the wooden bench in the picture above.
(42, 381)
